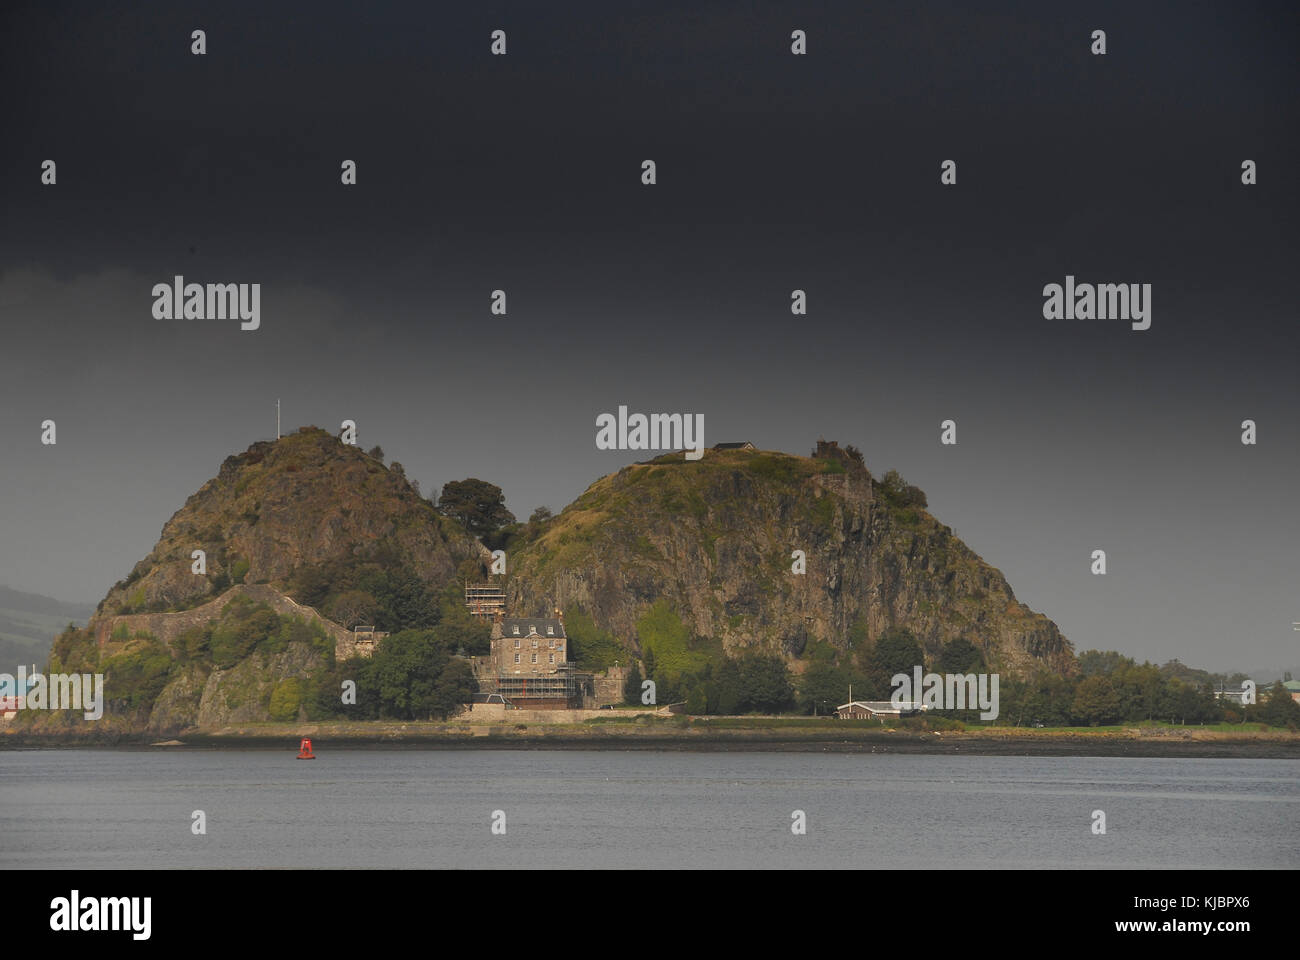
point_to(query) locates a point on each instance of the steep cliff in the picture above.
(715, 538)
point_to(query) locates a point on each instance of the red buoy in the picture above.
(304, 752)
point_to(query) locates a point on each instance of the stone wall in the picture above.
(608, 688)
(497, 713)
(168, 626)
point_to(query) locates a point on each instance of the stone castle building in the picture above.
(529, 663)
(522, 645)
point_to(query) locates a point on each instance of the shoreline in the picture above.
(703, 735)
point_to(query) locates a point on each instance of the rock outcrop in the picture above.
(715, 538)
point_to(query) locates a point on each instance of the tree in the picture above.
(1096, 702)
(408, 669)
(731, 695)
(376, 451)
(697, 701)
(478, 505)
(285, 698)
(900, 493)
(352, 607)
(540, 515)
(632, 686)
(959, 656)
(1279, 709)
(896, 651)
(765, 682)
(455, 686)
(822, 686)
(1102, 663)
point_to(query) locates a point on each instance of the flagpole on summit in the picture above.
(277, 419)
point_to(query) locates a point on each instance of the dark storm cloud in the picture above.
(775, 172)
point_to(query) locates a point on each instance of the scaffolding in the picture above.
(485, 600)
(564, 686)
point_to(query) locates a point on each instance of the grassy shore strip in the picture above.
(715, 734)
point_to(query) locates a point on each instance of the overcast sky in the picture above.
(775, 172)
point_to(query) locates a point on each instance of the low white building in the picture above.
(873, 709)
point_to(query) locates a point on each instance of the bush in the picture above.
(897, 492)
(590, 647)
(285, 700)
(136, 676)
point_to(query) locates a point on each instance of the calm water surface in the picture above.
(416, 808)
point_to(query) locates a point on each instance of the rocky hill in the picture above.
(282, 511)
(302, 538)
(715, 538)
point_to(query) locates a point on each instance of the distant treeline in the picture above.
(1109, 687)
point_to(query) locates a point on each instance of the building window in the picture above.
(550, 631)
(516, 643)
(552, 658)
(516, 630)
(534, 644)
(534, 658)
(551, 644)
(516, 658)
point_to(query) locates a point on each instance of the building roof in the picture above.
(743, 444)
(544, 627)
(880, 706)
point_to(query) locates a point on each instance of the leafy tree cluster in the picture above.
(1279, 709)
(899, 493)
(377, 588)
(691, 669)
(1108, 689)
(514, 536)
(1111, 688)
(751, 683)
(414, 675)
(826, 681)
(590, 647)
(479, 506)
(134, 678)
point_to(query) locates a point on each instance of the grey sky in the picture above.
(774, 173)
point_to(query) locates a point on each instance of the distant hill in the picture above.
(29, 623)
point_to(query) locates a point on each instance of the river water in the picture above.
(412, 808)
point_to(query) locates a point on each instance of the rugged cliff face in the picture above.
(715, 538)
(307, 500)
